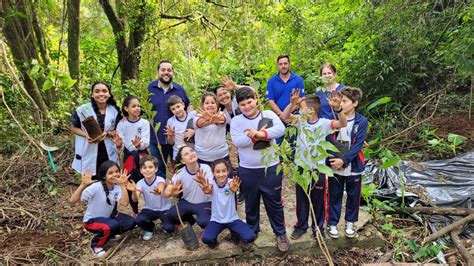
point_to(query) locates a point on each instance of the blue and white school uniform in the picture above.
(352, 180)
(128, 131)
(224, 215)
(318, 189)
(100, 217)
(86, 154)
(194, 200)
(180, 127)
(350, 177)
(155, 206)
(211, 142)
(256, 180)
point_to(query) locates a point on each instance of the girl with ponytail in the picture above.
(101, 197)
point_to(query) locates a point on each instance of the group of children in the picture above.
(205, 182)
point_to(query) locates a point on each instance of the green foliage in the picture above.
(51, 254)
(424, 252)
(48, 183)
(455, 140)
(442, 147)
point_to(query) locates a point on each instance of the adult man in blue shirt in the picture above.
(280, 86)
(159, 92)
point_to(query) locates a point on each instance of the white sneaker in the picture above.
(147, 235)
(333, 233)
(98, 252)
(116, 237)
(350, 230)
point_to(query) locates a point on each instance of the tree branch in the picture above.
(115, 22)
(166, 16)
(454, 226)
(217, 4)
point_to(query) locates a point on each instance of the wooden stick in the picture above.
(456, 225)
(464, 253)
(434, 211)
(116, 248)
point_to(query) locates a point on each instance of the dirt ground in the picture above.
(39, 228)
(457, 123)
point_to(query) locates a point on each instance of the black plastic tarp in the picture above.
(446, 182)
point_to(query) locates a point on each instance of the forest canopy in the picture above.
(56, 49)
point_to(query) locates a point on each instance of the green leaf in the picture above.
(278, 170)
(456, 139)
(381, 101)
(47, 85)
(434, 142)
(423, 252)
(328, 146)
(34, 71)
(387, 226)
(391, 162)
(325, 169)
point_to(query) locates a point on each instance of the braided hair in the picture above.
(104, 167)
(110, 101)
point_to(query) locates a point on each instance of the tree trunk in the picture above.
(41, 42)
(128, 54)
(20, 38)
(434, 211)
(73, 40)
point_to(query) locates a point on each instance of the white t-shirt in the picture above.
(303, 144)
(153, 202)
(210, 141)
(179, 127)
(192, 192)
(223, 204)
(94, 196)
(345, 136)
(248, 157)
(129, 130)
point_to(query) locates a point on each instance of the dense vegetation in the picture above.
(406, 50)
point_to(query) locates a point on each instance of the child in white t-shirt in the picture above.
(193, 200)
(177, 131)
(210, 131)
(223, 212)
(151, 187)
(134, 138)
(101, 217)
(307, 155)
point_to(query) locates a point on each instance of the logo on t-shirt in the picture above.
(115, 196)
(139, 130)
(356, 127)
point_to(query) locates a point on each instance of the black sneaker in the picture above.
(297, 233)
(282, 243)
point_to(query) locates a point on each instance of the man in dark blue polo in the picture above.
(280, 86)
(159, 92)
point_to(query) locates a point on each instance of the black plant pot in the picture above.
(263, 144)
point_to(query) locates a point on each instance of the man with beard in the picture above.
(280, 86)
(159, 92)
